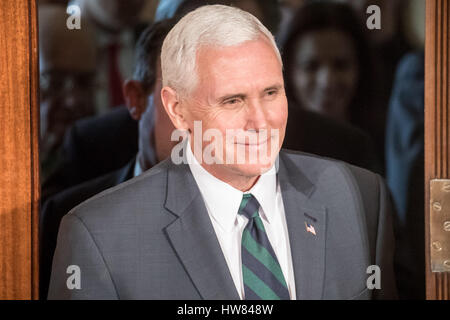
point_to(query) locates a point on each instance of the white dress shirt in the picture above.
(137, 168)
(222, 203)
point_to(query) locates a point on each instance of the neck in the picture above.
(237, 181)
(140, 159)
(144, 161)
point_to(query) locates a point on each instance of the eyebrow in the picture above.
(231, 96)
(243, 96)
(274, 87)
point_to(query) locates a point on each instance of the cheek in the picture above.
(220, 118)
(348, 84)
(305, 86)
(278, 116)
(350, 75)
(352, 78)
(303, 81)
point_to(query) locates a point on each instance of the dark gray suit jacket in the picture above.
(59, 205)
(151, 237)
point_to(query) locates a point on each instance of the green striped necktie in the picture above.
(262, 275)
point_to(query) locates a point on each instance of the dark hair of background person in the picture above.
(269, 8)
(321, 15)
(148, 50)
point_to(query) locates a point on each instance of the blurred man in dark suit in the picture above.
(144, 105)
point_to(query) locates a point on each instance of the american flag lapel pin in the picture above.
(310, 228)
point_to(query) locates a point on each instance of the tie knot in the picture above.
(249, 206)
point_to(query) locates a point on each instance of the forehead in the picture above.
(251, 64)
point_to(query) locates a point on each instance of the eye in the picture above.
(309, 66)
(270, 94)
(232, 101)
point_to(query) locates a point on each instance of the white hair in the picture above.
(215, 25)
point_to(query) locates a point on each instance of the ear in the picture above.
(135, 98)
(172, 105)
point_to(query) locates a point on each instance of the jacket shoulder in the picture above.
(315, 162)
(116, 202)
(364, 184)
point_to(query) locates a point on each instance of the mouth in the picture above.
(251, 144)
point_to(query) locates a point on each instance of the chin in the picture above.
(252, 170)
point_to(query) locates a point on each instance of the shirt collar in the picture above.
(223, 200)
(264, 191)
(137, 168)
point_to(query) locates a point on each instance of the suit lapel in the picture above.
(194, 239)
(307, 248)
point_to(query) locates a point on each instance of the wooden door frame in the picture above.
(19, 160)
(437, 122)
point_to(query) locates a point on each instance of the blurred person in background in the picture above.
(327, 61)
(113, 27)
(67, 80)
(405, 173)
(115, 24)
(405, 155)
(328, 65)
(143, 100)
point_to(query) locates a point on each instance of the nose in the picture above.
(325, 78)
(73, 103)
(256, 115)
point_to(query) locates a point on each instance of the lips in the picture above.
(253, 144)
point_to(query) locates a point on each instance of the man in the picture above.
(145, 107)
(218, 227)
(67, 68)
